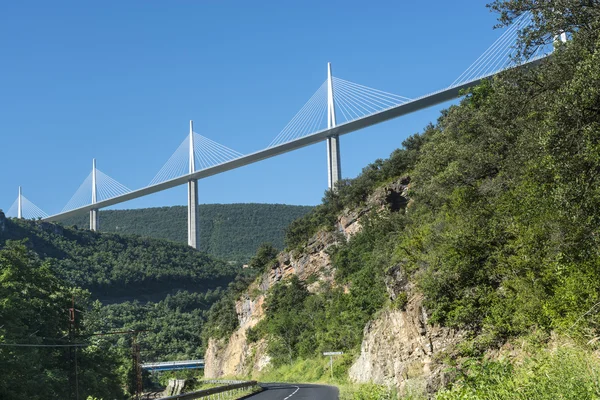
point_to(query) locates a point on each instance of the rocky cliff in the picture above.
(399, 347)
(237, 357)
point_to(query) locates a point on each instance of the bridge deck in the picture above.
(348, 127)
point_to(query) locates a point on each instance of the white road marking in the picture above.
(297, 388)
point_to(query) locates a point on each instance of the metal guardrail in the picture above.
(208, 392)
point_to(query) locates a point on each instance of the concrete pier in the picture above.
(334, 167)
(193, 216)
(94, 220)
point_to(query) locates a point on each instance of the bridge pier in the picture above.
(94, 215)
(193, 216)
(94, 220)
(334, 164)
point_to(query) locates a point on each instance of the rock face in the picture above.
(399, 349)
(393, 197)
(236, 357)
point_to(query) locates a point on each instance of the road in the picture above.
(295, 391)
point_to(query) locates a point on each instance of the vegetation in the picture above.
(229, 232)
(162, 289)
(35, 360)
(566, 373)
(115, 267)
(501, 235)
(222, 318)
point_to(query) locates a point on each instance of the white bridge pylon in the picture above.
(351, 102)
(23, 208)
(195, 153)
(96, 187)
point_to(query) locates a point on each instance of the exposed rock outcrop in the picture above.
(399, 349)
(236, 357)
(393, 197)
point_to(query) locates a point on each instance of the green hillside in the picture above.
(119, 283)
(228, 231)
(501, 234)
(112, 266)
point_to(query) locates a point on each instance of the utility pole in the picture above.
(73, 376)
(137, 384)
(137, 366)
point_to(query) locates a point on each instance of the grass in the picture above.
(565, 372)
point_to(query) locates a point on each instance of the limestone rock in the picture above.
(399, 349)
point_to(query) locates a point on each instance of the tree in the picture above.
(550, 18)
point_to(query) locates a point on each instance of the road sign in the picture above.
(331, 354)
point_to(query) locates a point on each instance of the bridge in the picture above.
(173, 365)
(337, 108)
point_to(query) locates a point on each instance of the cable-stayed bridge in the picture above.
(337, 107)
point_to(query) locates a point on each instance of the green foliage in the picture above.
(564, 373)
(367, 392)
(550, 19)
(222, 319)
(353, 192)
(504, 230)
(230, 232)
(146, 284)
(265, 255)
(173, 325)
(120, 268)
(302, 324)
(33, 311)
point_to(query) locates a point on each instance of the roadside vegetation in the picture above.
(501, 235)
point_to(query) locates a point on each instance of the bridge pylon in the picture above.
(94, 214)
(334, 163)
(193, 215)
(20, 204)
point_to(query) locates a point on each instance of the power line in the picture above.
(43, 345)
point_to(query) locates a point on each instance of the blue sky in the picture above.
(119, 80)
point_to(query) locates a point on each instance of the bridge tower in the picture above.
(94, 215)
(20, 204)
(193, 216)
(334, 164)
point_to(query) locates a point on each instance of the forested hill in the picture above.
(115, 267)
(499, 240)
(228, 231)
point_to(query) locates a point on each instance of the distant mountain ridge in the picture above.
(227, 231)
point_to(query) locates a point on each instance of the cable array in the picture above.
(207, 153)
(501, 54)
(312, 117)
(106, 188)
(354, 101)
(29, 210)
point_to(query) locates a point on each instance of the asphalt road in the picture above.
(295, 391)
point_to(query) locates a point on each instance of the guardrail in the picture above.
(209, 392)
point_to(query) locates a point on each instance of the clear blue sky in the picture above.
(119, 81)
